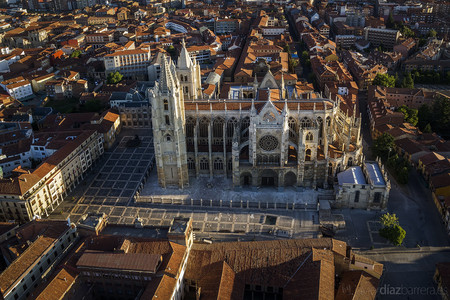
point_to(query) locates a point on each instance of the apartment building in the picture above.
(63, 88)
(100, 20)
(99, 39)
(39, 246)
(345, 41)
(132, 63)
(18, 88)
(226, 26)
(382, 37)
(397, 97)
(275, 30)
(37, 193)
(38, 83)
(202, 54)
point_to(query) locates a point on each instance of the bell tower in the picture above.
(168, 120)
(188, 72)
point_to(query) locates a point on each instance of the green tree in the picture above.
(114, 77)
(384, 80)
(293, 63)
(410, 114)
(425, 115)
(441, 116)
(395, 234)
(390, 21)
(306, 62)
(406, 31)
(409, 82)
(75, 54)
(172, 51)
(432, 33)
(391, 230)
(388, 220)
(383, 145)
(427, 128)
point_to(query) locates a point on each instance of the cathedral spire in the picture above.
(184, 60)
(165, 80)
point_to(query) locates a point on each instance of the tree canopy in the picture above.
(384, 80)
(114, 77)
(75, 54)
(432, 33)
(391, 229)
(411, 114)
(437, 115)
(383, 145)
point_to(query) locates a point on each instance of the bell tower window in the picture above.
(166, 105)
(167, 120)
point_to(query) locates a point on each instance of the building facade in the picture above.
(38, 193)
(132, 63)
(264, 134)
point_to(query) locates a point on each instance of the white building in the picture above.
(18, 88)
(131, 63)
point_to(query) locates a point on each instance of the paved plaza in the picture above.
(120, 176)
(221, 188)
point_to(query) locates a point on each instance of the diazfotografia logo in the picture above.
(401, 290)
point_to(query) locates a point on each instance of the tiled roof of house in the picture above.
(357, 285)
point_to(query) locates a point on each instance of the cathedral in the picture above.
(266, 133)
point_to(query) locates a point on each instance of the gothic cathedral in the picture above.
(267, 133)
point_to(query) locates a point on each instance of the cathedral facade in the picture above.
(267, 133)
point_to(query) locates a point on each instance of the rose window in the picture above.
(268, 143)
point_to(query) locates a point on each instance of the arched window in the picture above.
(191, 163)
(309, 136)
(190, 124)
(204, 123)
(231, 125)
(308, 155)
(218, 127)
(168, 138)
(185, 78)
(204, 164)
(245, 124)
(320, 123)
(330, 169)
(167, 120)
(328, 121)
(306, 123)
(186, 90)
(230, 165)
(181, 77)
(293, 128)
(218, 164)
(166, 105)
(350, 162)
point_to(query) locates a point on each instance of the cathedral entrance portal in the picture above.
(269, 178)
(246, 179)
(290, 179)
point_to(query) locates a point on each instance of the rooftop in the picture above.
(142, 262)
(352, 175)
(374, 172)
